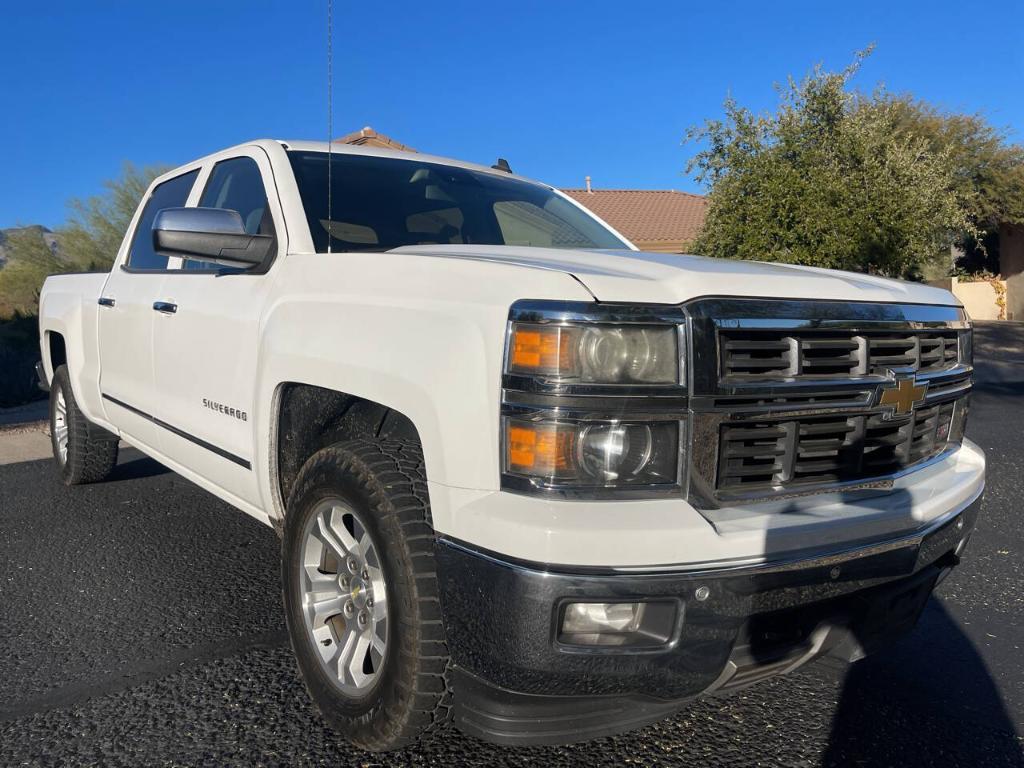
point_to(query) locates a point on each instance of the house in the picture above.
(659, 220)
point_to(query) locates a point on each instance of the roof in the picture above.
(647, 215)
(367, 137)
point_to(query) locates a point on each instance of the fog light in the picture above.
(633, 625)
(611, 618)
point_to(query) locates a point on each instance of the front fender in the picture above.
(431, 348)
(436, 370)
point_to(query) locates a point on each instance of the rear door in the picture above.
(126, 316)
(206, 349)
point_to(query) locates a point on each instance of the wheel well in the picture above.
(58, 350)
(311, 418)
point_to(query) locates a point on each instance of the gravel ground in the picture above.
(140, 624)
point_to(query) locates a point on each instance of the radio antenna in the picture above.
(330, 114)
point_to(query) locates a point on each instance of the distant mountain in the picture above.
(51, 238)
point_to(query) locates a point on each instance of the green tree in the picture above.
(827, 180)
(988, 171)
(988, 175)
(88, 241)
(97, 224)
(30, 259)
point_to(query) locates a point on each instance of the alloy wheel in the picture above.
(344, 597)
(60, 427)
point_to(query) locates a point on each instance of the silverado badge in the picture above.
(902, 397)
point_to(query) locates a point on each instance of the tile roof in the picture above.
(370, 138)
(647, 216)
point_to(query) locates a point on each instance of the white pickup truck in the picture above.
(527, 478)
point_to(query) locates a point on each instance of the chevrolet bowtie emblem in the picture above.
(903, 397)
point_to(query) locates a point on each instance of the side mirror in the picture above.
(215, 235)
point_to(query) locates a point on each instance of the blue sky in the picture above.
(561, 88)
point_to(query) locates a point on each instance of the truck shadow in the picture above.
(135, 466)
(928, 701)
(924, 695)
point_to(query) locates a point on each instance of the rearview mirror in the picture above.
(215, 235)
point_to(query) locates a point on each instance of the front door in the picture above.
(126, 318)
(205, 367)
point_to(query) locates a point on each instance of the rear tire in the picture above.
(358, 534)
(84, 452)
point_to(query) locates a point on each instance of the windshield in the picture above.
(380, 203)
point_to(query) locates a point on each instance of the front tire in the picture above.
(360, 593)
(84, 452)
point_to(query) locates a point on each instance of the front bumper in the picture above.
(514, 684)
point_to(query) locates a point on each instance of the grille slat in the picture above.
(830, 444)
(847, 362)
(813, 428)
(903, 342)
(892, 359)
(750, 471)
(748, 361)
(757, 344)
(813, 467)
(766, 451)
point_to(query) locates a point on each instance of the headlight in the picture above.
(590, 454)
(594, 399)
(595, 354)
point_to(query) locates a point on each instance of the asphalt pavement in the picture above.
(141, 624)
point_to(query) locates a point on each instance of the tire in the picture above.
(386, 695)
(84, 452)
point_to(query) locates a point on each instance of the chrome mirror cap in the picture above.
(214, 235)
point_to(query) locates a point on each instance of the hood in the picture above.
(664, 278)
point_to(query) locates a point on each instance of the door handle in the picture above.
(165, 306)
(106, 301)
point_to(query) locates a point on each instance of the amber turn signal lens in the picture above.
(541, 449)
(541, 349)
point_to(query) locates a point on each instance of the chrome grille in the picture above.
(785, 453)
(784, 394)
(762, 354)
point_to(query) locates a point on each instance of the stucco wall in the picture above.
(979, 299)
